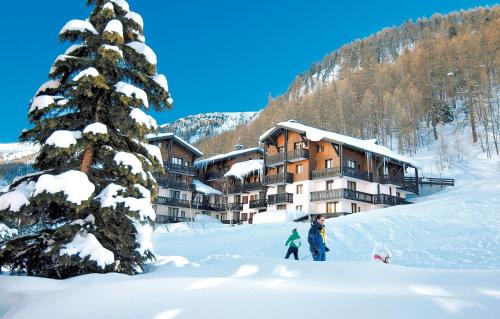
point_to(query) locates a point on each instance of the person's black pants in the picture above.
(294, 251)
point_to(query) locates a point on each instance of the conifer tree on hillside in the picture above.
(89, 207)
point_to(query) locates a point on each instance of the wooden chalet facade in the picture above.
(326, 173)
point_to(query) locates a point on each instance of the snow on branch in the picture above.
(161, 80)
(114, 26)
(136, 18)
(19, 197)
(142, 118)
(40, 102)
(87, 245)
(132, 91)
(51, 84)
(143, 49)
(95, 128)
(63, 138)
(130, 160)
(92, 72)
(78, 26)
(6, 231)
(122, 4)
(74, 184)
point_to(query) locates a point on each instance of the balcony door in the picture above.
(328, 163)
(281, 189)
(351, 185)
(175, 194)
(354, 208)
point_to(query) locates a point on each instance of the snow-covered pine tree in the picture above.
(88, 209)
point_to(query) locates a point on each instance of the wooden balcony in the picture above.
(341, 193)
(179, 169)
(291, 156)
(211, 176)
(344, 193)
(280, 178)
(207, 206)
(390, 179)
(252, 186)
(280, 198)
(385, 199)
(326, 173)
(236, 206)
(258, 203)
(169, 183)
(357, 173)
(174, 202)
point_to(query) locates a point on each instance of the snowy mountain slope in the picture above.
(445, 264)
(18, 152)
(192, 128)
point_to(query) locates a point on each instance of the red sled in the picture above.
(385, 259)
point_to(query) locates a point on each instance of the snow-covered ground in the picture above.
(445, 263)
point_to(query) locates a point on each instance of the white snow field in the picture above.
(445, 263)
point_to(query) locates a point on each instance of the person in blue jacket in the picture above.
(317, 239)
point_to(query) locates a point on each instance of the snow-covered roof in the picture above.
(315, 135)
(166, 136)
(204, 188)
(220, 157)
(243, 169)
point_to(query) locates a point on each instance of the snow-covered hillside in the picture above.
(23, 152)
(192, 128)
(445, 262)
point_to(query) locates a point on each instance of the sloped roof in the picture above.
(315, 135)
(167, 136)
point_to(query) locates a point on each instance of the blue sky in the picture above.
(219, 55)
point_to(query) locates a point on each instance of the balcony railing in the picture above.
(388, 200)
(207, 206)
(164, 219)
(210, 176)
(180, 169)
(341, 193)
(325, 173)
(258, 203)
(169, 183)
(357, 173)
(292, 156)
(175, 202)
(344, 193)
(391, 179)
(252, 186)
(236, 206)
(280, 198)
(278, 178)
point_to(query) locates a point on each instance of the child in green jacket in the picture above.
(294, 243)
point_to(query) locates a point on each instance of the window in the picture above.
(281, 207)
(299, 145)
(331, 207)
(245, 199)
(351, 185)
(281, 149)
(175, 194)
(398, 194)
(281, 189)
(354, 208)
(237, 199)
(351, 164)
(390, 191)
(329, 185)
(299, 208)
(320, 148)
(184, 197)
(173, 212)
(328, 163)
(244, 217)
(279, 169)
(299, 189)
(183, 214)
(186, 163)
(176, 160)
(253, 197)
(299, 169)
